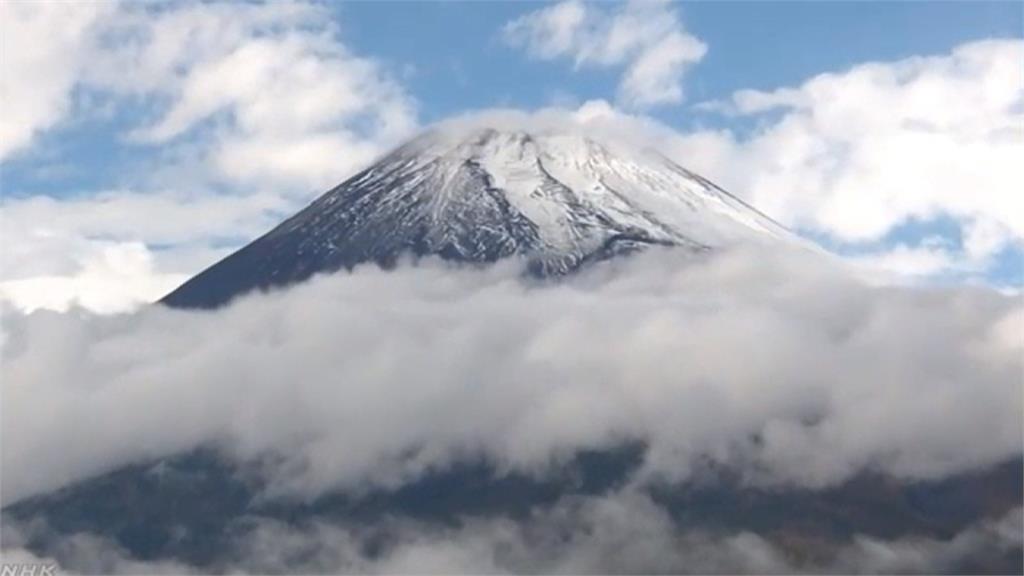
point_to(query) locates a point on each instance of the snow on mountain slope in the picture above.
(556, 197)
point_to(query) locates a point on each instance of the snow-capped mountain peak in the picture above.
(555, 197)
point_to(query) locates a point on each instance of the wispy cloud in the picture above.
(268, 91)
(646, 38)
(38, 77)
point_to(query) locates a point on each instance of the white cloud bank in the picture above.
(779, 366)
(645, 37)
(114, 277)
(116, 250)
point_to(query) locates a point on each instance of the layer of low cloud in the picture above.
(647, 38)
(778, 365)
(624, 532)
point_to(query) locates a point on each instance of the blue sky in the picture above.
(456, 61)
(113, 122)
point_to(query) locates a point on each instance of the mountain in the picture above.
(555, 198)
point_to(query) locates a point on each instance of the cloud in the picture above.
(119, 277)
(623, 532)
(779, 366)
(931, 258)
(286, 100)
(54, 237)
(250, 108)
(645, 37)
(861, 158)
(976, 545)
(115, 250)
(37, 77)
(968, 253)
(77, 554)
(260, 91)
(858, 154)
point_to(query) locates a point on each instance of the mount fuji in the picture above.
(555, 198)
